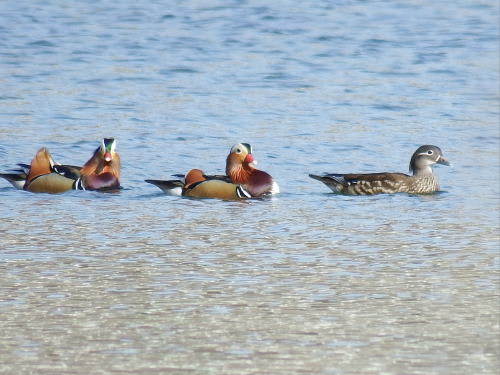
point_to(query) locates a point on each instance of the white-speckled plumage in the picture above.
(421, 182)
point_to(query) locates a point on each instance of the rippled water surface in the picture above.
(307, 282)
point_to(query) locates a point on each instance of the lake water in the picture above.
(307, 282)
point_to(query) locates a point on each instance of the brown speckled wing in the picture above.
(368, 177)
(375, 183)
(365, 184)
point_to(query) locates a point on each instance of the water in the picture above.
(306, 282)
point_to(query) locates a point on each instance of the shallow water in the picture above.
(305, 282)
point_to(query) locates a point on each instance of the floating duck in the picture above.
(43, 175)
(242, 179)
(422, 180)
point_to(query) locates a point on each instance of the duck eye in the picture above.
(238, 151)
(430, 152)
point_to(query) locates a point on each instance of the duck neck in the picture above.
(239, 174)
(97, 167)
(423, 171)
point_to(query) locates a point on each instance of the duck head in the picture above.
(240, 163)
(424, 158)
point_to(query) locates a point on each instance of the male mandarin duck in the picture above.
(18, 177)
(242, 179)
(102, 171)
(42, 178)
(422, 181)
(241, 170)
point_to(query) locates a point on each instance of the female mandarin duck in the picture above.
(242, 179)
(422, 181)
(102, 171)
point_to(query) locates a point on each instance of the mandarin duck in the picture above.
(242, 179)
(43, 175)
(197, 185)
(17, 177)
(422, 181)
(102, 170)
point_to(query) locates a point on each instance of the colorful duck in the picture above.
(242, 179)
(422, 180)
(100, 172)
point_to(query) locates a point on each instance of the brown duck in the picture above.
(421, 180)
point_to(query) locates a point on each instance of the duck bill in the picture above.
(443, 161)
(249, 159)
(108, 157)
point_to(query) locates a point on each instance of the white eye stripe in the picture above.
(427, 153)
(237, 149)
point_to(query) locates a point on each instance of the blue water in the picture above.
(305, 282)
